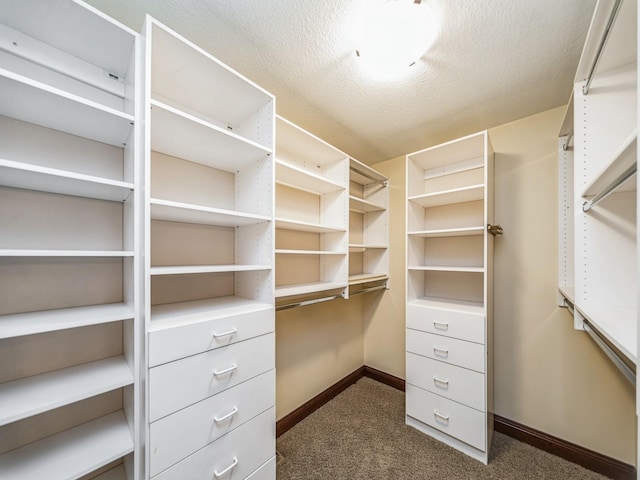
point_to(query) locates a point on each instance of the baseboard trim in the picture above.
(589, 459)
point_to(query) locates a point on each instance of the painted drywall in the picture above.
(547, 375)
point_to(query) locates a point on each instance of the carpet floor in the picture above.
(361, 435)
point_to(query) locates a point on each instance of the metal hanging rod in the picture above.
(370, 177)
(615, 183)
(568, 305)
(603, 42)
(609, 352)
(307, 302)
(370, 289)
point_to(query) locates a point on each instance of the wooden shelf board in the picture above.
(34, 102)
(446, 268)
(476, 308)
(448, 232)
(189, 269)
(72, 453)
(618, 325)
(175, 314)
(287, 224)
(65, 253)
(361, 278)
(306, 288)
(360, 205)
(301, 179)
(187, 213)
(182, 135)
(33, 395)
(19, 324)
(307, 252)
(44, 179)
(445, 197)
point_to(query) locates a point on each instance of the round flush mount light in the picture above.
(392, 35)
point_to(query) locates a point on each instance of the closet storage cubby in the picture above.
(368, 226)
(70, 324)
(312, 214)
(449, 293)
(209, 266)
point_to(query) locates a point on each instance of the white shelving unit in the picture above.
(209, 282)
(312, 204)
(449, 293)
(368, 228)
(70, 324)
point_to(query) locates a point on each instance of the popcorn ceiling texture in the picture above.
(492, 62)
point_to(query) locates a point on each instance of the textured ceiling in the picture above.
(492, 62)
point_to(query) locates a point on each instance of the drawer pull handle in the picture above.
(441, 352)
(225, 334)
(230, 369)
(441, 325)
(226, 416)
(441, 381)
(441, 417)
(218, 474)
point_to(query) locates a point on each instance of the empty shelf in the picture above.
(292, 141)
(116, 473)
(33, 395)
(65, 253)
(457, 167)
(446, 197)
(302, 179)
(305, 288)
(307, 252)
(44, 179)
(357, 247)
(447, 268)
(618, 325)
(188, 269)
(72, 453)
(188, 213)
(364, 175)
(361, 205)
(287, 224)
(448, 232)
(569, 293)
(366, 278)
(475, 308)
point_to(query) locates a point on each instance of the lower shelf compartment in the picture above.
(72, 453)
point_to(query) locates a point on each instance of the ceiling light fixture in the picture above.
(392, 35)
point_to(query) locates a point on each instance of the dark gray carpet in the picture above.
(361, 435)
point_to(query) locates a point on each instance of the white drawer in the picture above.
(459, 384)
(265, 472)
(171, 344)
(180, 434)
(450, 323)
(178, 384)
(459, 421)
(445, 349)
(232, 457)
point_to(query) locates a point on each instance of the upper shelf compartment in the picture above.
(190, 79)
(309, 181)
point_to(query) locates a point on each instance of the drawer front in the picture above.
(235, 456)
(459, 384)
(265, 472)
(461, 422)
(180, 434)
(179, 342)
(445, 349)
(178, 384)
(465, 326)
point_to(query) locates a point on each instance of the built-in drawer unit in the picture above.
(178, 384)
(180, 434)
(459, 384)
(450, 323)
(459, 421)
(236, 455)
(445, 349)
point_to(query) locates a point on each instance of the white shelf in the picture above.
(31, 323)
(72, 453)
(189, 269)
(448, 232)
(34, 102)
(43, 179)
(65, 253)
(287, 224)
(33, 395)
(618, 325)
(303, 145)
(296, 177)
(446, 197)
(184, 313)
(116, 473)
(363, 206)
(450, 169)
(475, 308)
(446, 268)
(306, 288)
(359, 247)
(363, 174)
(188, 213)
(306, 252)
(182, 135)
(366, 278)
(569, 293)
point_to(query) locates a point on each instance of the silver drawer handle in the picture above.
(226, 416)
(441, 352)
(225, 334)
(230, 369)
(218, 474)
(441, 381)
(444, 418)
(441, 325)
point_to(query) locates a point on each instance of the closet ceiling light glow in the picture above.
(392, 35)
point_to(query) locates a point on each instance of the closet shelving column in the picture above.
(449, 293)
(368, 227)
(70, 330)
(312, 214)
(209, 265)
